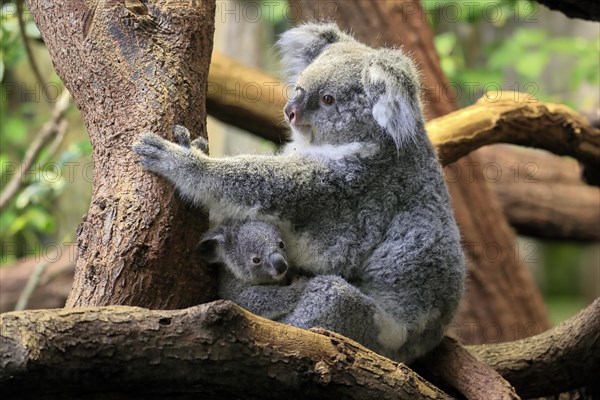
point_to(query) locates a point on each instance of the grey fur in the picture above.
(358, 196)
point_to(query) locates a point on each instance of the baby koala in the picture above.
(256, 273)
(251, 250)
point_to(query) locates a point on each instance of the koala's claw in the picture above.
(182, 136)
(200, 144)
(149, 145)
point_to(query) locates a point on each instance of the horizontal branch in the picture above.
(516, 118)
(564, 358)
(246, 97)
(216, 350)
(542, 194)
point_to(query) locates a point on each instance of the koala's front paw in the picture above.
(159, 155)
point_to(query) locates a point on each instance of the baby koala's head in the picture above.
(252, 250)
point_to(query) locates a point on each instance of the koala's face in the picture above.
(257, 253)
(330, 105)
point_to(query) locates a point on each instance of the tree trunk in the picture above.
(134, 67)
(500, 292)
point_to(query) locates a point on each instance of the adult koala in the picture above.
(359, 196)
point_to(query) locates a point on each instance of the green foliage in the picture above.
(31, 217)
(525, 54)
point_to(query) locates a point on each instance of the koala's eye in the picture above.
(256, 260)
(328, 99)
(281, 245)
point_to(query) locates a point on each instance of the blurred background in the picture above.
(485, 45)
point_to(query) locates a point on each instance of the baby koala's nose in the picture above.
(291, 113)
(278, 262)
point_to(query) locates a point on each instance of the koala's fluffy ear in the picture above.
(301, 45)
(391, 79)
(210, 245)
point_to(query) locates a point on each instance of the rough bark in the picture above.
(131, 67)
(215, 351)
(501, 293)
(584, 9)
(542, 194)
(564, 358)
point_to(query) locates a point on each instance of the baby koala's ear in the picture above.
(391, 80)
(210, 246)
(301, 45)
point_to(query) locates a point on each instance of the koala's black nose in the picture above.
(278, 262)
(291, 113)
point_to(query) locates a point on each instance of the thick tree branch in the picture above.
(247, 98)
(516, 118)
(542, 194)
(564, 358)
(157, 353)
(216, 350)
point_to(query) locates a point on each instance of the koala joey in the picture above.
(358, 195)
(252, 253)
